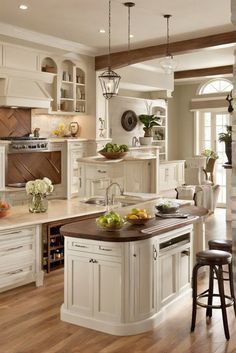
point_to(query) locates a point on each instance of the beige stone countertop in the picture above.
(19, 216)
(69, 139)
(103, 160)
(171, 161)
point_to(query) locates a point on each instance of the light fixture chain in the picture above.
(109, 36)
(128, 34)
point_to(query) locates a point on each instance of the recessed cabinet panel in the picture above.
(168, 278)
(20, 58)
(185, 269)
(80, 283)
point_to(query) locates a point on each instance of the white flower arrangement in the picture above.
(39, 187)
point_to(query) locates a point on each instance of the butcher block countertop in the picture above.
(88, 229)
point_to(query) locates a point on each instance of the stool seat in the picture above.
(213, 257)
(220, 244)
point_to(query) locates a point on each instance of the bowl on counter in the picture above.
(113, 155)
(140, 221)
(167, 209)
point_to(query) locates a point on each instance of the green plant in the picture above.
(210, 154)
(149, 120)
(226, 136)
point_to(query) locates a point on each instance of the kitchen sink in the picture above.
(119, 200)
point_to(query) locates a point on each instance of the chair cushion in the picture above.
(185, 192)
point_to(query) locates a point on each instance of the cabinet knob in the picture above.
(90, 260)
(95, 261)
(134, 255)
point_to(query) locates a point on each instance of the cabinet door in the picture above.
(74, 172)
(80, 284)
(184, 269)
(168, 277)
(96, 187)
(138, 176)
(107, 290)
(143, 280)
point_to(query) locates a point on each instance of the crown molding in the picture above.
(45, 39)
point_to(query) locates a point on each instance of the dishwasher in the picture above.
(175, 267)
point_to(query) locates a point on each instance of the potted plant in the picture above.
(226, 137)
(148, 121)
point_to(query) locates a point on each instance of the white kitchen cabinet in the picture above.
(140, 176)
(16, 57)
(94, 281)
(75, 150)
(20, 257)
(171, 174)
(95, 178)
(143, 260)
(160, 133)
(121, 287)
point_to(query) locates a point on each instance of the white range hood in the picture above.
(23, 92)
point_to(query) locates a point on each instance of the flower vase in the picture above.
(38, 203)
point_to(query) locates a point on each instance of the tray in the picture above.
(172, 215)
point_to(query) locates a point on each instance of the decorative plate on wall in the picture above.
(129, 120)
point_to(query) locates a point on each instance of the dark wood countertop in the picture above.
(88, 229)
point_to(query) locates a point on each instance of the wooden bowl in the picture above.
(113, 155)
(139, 221)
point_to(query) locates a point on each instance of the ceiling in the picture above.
(79, 21)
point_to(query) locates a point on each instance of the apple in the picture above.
(4, 205)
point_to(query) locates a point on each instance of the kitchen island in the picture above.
(123, 282)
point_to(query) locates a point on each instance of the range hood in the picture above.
(23, 92)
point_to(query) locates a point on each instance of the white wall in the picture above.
(117, 106)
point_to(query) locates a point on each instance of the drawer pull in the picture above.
(102, 171)
(80, 246)
(185, 253)
(104, 249)
(14, 272)
(15, 232)
(15, 248)
(154, 253)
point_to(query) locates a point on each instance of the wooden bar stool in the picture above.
(215, 259)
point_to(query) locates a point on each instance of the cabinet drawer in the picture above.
(13, 277)
(16, 246)
(13, 263)
(76, 145)
(16, 233)
(97, 172)
(79, 245)
(107, 248)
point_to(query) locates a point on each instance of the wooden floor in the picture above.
(30, 323)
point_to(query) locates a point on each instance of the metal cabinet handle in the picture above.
(90, 260)
(104, 249)
(10, 232)
(185, 253)
(95, 261)
(15, 248)
(80, 246)
(80, 182)
(14, 272)
(102, 171)
(154, 253)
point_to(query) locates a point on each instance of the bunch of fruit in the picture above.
(4, 207)
(109, 147)
(138, 213)
(110, 221)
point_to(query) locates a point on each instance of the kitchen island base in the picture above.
(125, 287)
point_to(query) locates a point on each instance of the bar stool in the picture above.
(220, 244)
(224, 245)
(215, 259)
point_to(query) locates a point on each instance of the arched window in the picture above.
(216, 86)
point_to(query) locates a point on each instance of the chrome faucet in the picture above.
(135, 141)
(107, 193)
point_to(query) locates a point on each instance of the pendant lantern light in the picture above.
(168, 64)
(109, 79)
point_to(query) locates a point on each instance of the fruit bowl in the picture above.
(110, 222)
(4, 211)
(139, 221)
(112, 155)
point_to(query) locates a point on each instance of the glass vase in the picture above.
(38, 203)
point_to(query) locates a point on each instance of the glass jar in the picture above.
(38, 203)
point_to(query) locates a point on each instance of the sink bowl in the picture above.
(119, 200)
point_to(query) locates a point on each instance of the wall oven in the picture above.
(30, 158)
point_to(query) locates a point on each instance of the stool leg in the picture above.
(194, 295)
(222, 299)
(231, 283)
(210, 291)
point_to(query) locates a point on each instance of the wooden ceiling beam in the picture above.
(209, 71)
(120, 59)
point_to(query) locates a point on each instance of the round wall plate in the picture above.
(129, 120)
